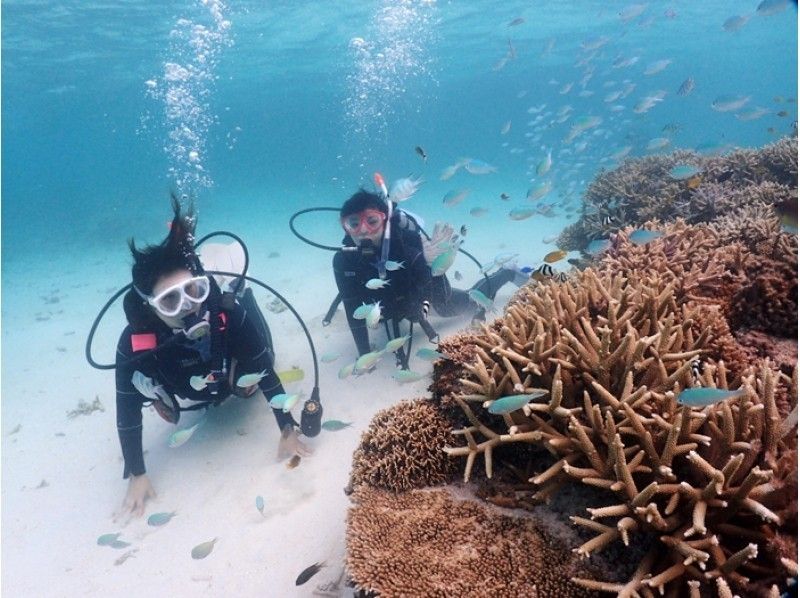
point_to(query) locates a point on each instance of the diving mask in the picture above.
(181, 296)
(366, 222)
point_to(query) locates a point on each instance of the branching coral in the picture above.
(426, 543)
(402, 448)
(614, 354)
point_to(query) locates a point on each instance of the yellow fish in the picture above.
(555, 256)
(293, 462)
(293, 375)
(694, 182)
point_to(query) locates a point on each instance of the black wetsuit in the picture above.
(246, 339)
(408, 286)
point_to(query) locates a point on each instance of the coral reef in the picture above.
(402, 448)
(428, 543)
(642, 189)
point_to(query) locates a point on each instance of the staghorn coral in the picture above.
(427, 543)
(402, 448)
(614, 353)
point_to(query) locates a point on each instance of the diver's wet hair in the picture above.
(175, 252)
(363, 200)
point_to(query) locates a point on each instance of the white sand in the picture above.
(49, 533)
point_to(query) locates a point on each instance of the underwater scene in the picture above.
(399, 298)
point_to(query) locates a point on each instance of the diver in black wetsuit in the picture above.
(407, 290)
(185, 339)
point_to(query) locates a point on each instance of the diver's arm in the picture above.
(129, 410)
(351, 299)
(419, 274)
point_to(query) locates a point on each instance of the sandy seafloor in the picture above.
(62, 477)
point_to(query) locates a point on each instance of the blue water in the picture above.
(297, 117)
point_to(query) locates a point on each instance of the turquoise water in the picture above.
(296, 112)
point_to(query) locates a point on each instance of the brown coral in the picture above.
(402, 448)
(427, 543)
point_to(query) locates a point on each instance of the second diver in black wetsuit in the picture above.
(183, 340)
(409, 287)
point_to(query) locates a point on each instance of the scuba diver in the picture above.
(384, 258)
(188, 338)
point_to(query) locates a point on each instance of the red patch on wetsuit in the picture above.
(224, 319)
(143, 342)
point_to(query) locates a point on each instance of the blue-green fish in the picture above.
(545, 164)
(181, 436)
(201, 551)
(346, 371)
(367, 360)
(642, 236)
(455, 197)
(513, 402)
(260, 504)
(521, 213)
(442, 263)
(157, 519)
(404, 376)
(392, 265)
(681, 172)
(374, 315)
(250, 379)
(430, 354)
(107, 539)
(475, 166)
(361, 312)
(539, 190)
(329, 357)
(284, 401)
(394, 344)
(481, 299)
(702, 397)
(334, 425)
(597, 246)
(118, 544)
(377, 283)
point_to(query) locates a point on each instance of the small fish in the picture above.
(284, 401)
(346, 371)
(393, 266)
(782, 113)
(517, 21)
(771, 7)
(421, 153)
(555, 256)
(405, 376)
(702, 397)
(503, 258)
(754, 114)
(481, 299)
(457, 275)
(463, 230)
(430, 354)
(478, 212)
(293, 375)
(180, 437)
(512, 402)
(157, 519)
(200, 382)
(442, 263)
(107, 539)
(642, 236)
(455, 197)
(787, 213)
(631, 12)
(334, 425)
(505, 128)
(250, 379)
(475, 166)
(376, 283)
(505, 196)
(728, 103)
(657, 66)
(543, 272)
(735, 23)
(308, 573)
(545, 165)
(16, 429)
(597, 245)
(539, 190)
(657, 143)
(118, 544)
(403, 189)
(694, 182)
(329, 357)
(374, 316)
(293, 462)
(201, 551)
(394, 344)
(448, 172)
(260, 504)
(361, 312)
(682, 172)
(686, 87)
(367, 360)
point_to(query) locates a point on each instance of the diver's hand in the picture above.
(290, 444)
(438, 243)
(139, 490)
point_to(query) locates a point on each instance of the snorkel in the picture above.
(387, 235)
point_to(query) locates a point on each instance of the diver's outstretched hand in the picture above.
(438, 243)
(139, 490)
(290, 444)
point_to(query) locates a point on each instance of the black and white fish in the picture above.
(421, 153)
